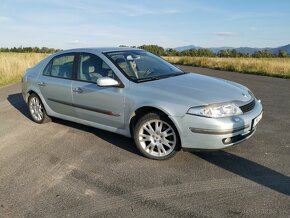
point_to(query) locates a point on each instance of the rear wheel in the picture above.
(37, 110)
(156, 137)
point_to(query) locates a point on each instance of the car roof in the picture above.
(99, 50)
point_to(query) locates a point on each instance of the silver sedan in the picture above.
(137, 94)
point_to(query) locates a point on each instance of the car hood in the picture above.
(194, 89)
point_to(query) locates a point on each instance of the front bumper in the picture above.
(216, 133)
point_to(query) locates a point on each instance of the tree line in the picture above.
(203, 52)
(30, 50)
(160, 51)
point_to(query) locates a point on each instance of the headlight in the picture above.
(216, 110)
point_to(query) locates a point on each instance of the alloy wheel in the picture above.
(36, 109)
(157, 138)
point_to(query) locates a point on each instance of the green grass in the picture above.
(275, 67)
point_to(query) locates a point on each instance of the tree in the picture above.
(263, 54)
(192, 52)
(224, 53)
(155, 49)
(185, 53)
(282, 53)
(171, 52)
(235, 54)
(203, 52)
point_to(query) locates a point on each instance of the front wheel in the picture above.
(37, 110)
(156, 137)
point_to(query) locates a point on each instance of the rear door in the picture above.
(102, 105)
(55, 84)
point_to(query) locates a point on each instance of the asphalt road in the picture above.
(64, 169)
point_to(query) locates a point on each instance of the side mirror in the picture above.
(107, 81)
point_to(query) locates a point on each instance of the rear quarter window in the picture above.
(47, 69)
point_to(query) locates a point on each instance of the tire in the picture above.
(37, 110)
(156, 137)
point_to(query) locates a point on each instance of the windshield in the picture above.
(143, 66)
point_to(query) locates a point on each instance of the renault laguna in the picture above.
(137, 94)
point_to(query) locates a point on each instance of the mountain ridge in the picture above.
(249, 50)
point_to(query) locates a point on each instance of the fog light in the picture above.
(227, 140)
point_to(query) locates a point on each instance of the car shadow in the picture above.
(117, 140)
(16, 100)
(248, 169)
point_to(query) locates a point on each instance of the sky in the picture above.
(169, 23)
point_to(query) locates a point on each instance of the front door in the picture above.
(102, 105)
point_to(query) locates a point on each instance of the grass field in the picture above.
(275, 67)
(13, 65)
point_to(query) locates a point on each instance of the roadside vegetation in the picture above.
(203, 52)
(14, 61)
(13, 65)
(262, 62)
(275, 67)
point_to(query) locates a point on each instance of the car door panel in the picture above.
(57, 94)
(102, 105)
(55, 84)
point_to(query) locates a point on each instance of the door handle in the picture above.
(41, 84)
(77, 90)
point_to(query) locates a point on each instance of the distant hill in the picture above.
(187, 47)
(285, 48)
(240, 49)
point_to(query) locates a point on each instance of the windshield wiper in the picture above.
(159, 77)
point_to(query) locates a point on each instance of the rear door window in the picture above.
(60, 66)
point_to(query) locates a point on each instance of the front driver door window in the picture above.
(91, 68)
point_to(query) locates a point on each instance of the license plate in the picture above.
(257, 120)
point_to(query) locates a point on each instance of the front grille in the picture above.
(248, 107)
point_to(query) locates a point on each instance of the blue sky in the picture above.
(169, 23)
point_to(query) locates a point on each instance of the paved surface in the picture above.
(65, 169)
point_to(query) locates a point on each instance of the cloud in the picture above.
(138, 10)
(116, 8)
(257, 15)
(134, 11)
(75, 42)
(225, 33)
(4, 19)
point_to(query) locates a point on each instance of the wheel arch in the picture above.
(141, 111)
(46, 107)
(29, 92)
